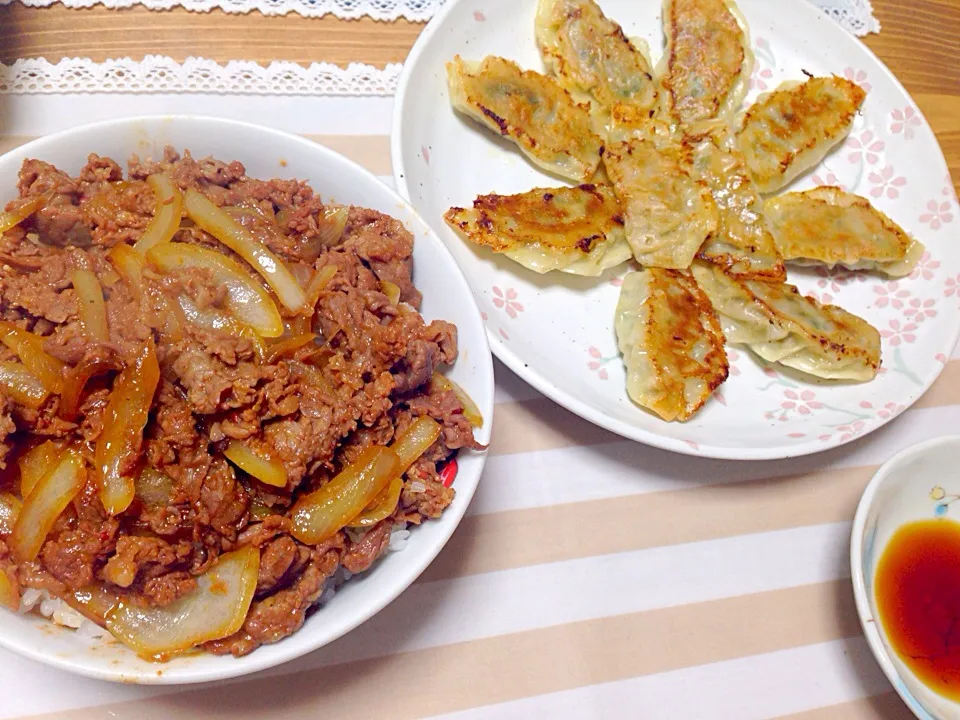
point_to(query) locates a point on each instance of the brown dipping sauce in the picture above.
(917, 588)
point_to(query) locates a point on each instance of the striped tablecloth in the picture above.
(593, 577)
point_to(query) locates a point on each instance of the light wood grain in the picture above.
(919, 43)
(57, 32)
(919, 38)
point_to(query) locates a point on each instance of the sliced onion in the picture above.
(36, 463)
(247, 301)
(153, 487)
(13, 218)
(301, 272)
(470, 410)
(129, 263)
(93, 311)
(166, 215)
(319, 515)
(94, 601)
(9, 595)
(382, 506)
(318, 283)
(416, 440)
(267, 470)
(224, 228)
(289, 346)
(22, 385)
(171, 320)
(391, 290)
(43, 506)
(296, 325)
(109, 277)
(126, 415)
(76, 381)
(254, 212)
(29, 348)
(10, 507)
(214, 609)
(210, 318)
(332, 222)
(259, 349)
(311, 374)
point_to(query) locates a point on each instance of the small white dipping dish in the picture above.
(917, 483)
(268, 153)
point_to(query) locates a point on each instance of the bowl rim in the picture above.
(861, 592)
(481, 356)
(560, 395)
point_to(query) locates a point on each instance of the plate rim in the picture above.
(560, 396)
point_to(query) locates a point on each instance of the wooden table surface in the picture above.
(919, 43)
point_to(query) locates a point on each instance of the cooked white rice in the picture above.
(55, 609)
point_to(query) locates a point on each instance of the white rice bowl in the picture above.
(48, 630)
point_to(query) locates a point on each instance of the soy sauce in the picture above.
(917, 589)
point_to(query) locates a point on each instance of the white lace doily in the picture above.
(159, 74)
(414, 10)
(855, 15)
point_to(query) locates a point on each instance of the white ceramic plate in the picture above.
(556, 331)
(266, 154)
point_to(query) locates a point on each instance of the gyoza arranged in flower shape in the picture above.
(678, 181)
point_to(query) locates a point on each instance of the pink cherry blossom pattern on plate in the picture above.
(859, 77)
(503, 333)
(865, 146)
(829, 179)
(925, 267)
(919, 311)
(507, 301)
(899, 333)
(905, 122)
(479, 16)
(822, 298)
(596, 364)
(886, 182)
(762, 77)
(952, 287)
(803, 402)
(838, 277)
(889, 410)
(891, 294)
(733, 357)
(937, 215)
(940, 358)
(426, 154)
(848, 432)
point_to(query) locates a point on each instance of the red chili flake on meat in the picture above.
(449, 473)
